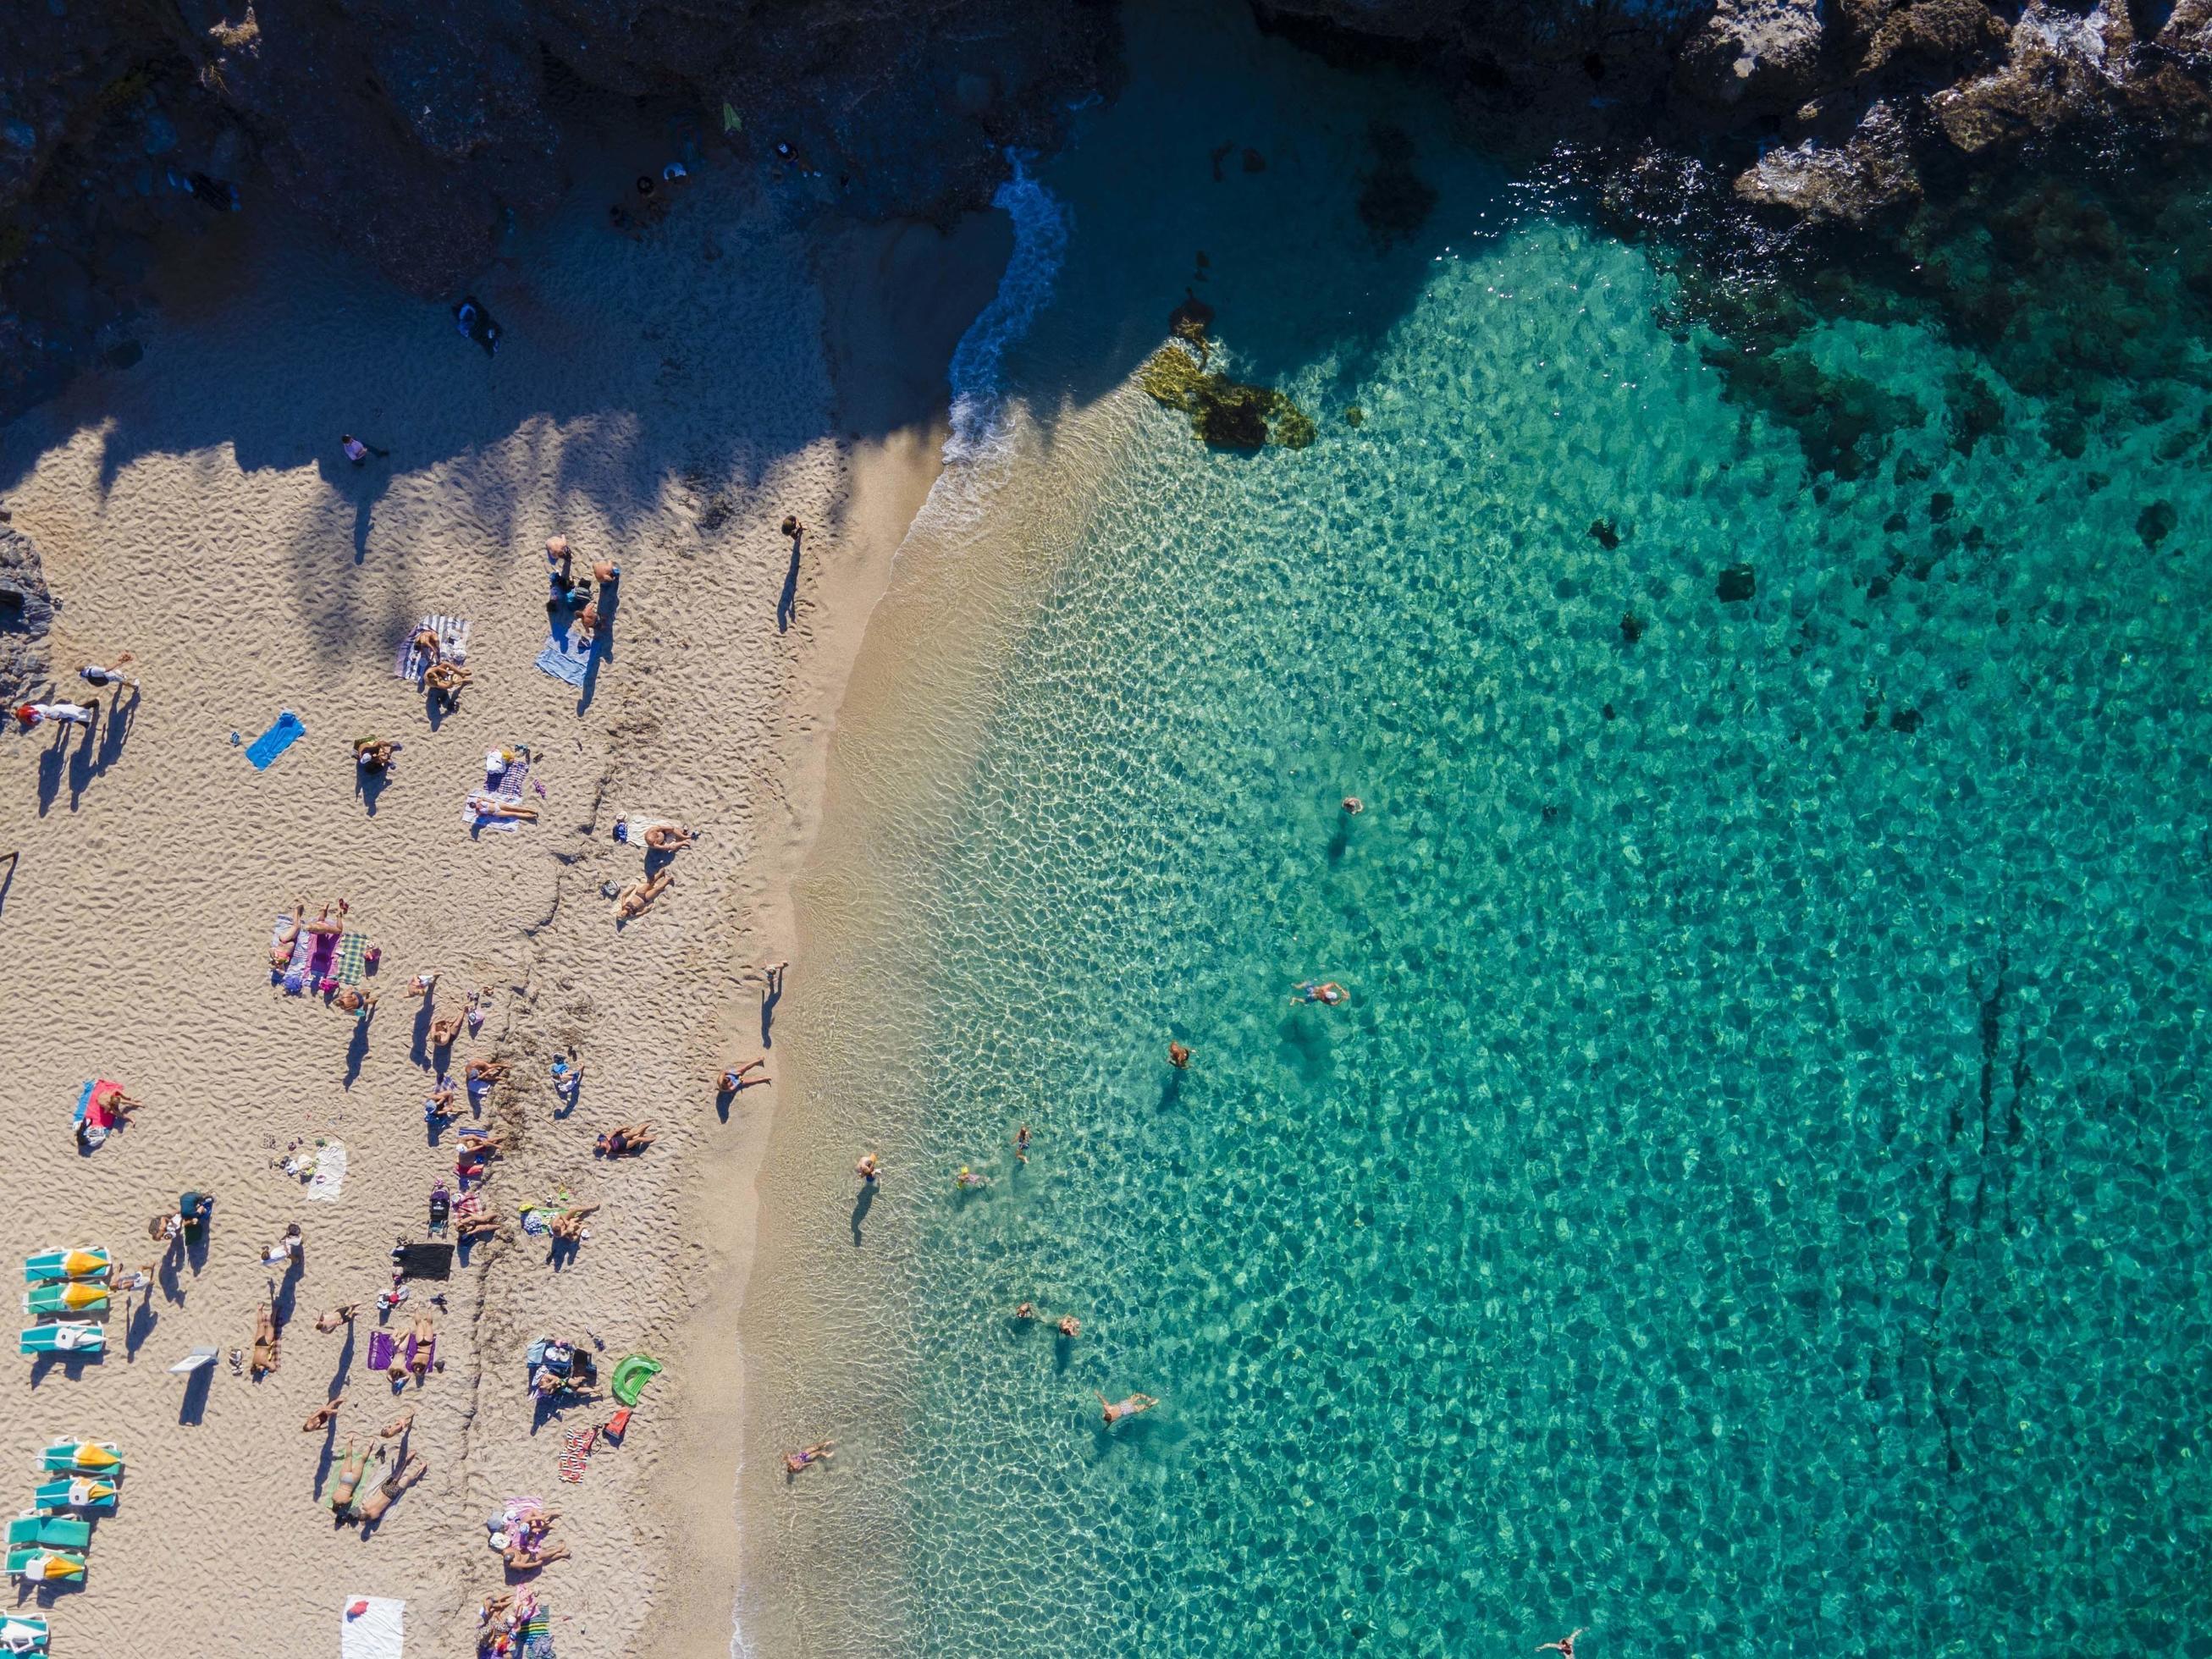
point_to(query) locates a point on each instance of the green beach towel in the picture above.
(353, 951)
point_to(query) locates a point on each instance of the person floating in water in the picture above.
(1353, 806)
(1115, 1410)
(1179, 1056)
(1564, 1647)
(968, 1181)
(1327, 991)
(1022, 1143)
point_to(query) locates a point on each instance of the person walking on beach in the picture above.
(92, 674)
(870, 1168)
(357, 451)
(1564, 1647)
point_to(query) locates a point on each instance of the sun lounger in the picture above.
(197, 1359)
(44, 1566)
(81, 1493)
(66, 1264)
(76, 1336)
(69, 1298)
(49, 1531)
(98, 1457)
(22, 1632)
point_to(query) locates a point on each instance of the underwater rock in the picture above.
(1752, 55)
(1190, 320)
(2156, 522)
(1354, 416)
(1737, 584)
(1396, 201)
(1975, 411)
(1604, 534)
(1632, 628)
(1939, 505)
(1906, 720)
(1842, 420)
(1224, 413)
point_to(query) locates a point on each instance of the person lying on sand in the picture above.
(347, 1481)
(371, 1510)
(820, 1452)
(491, 806)
(668, 838)
(445, 1029)
(268, 1346)
(328, 1321)
(520, 1557)
(399, 1425)
(323, 924)
(287, 936)
(352, 999)
(733, 1080)
(486, 1071)
(476, 1226)
(569, 1223)
(426, 641)
(623, 1140)
(1118, 1409)
(111, 1099)
(423, 1333)
(323, 1415)
(635, 898)
(373, 754)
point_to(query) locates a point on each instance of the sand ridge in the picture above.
(665, 401)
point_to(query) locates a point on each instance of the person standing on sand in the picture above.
(92, 674)
(357, 451)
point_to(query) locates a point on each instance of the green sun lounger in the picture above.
(99, 1457)
(22, 1632)
(77, 1336)
(81, 1493)
(50, 1532)
(91, 1263)
(73, 1298)
(44, 1566)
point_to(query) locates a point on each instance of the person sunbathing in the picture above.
(668, 838)
(476, 1226)
(731, 1081)
(420, 985)
(520, 1557)
(569, 1223)
(371, 1510)
(399, 1425)
(443, 1097)
(446, 676)
(635, 899)
(373, 754)
(347, 1481)
(587, 619)
(491, 806)
(287, 936)
(323, 924)
(623, 1140)
(328, 1321)
(427, 642)
(352, 999)
(1114, 1411)
(486, 1071)
(268, 1344)
(322, 1416)
(444, 1031)
(477, 1142)
(424, 1337)
(820, 1452)
(113, 1101)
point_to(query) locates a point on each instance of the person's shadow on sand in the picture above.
(602, 648)
(786, 602)
(863, 1202)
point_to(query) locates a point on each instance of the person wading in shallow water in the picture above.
(1179, 1056)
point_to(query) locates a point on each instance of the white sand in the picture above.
(665, 402)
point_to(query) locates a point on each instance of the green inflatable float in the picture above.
(631, 1373)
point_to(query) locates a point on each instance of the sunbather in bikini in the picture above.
(635, 898)
(323, 924)
(371, 1508)
(399, 1425)
(427, 642)
(287, 936)
(569, 1223)
(113, 1101)
(352, 999)
(443, 1099)
(476, 1226)
(424, 1335)
(446, 676)
(322, 1416)
(347, 1481)
(329, 1322)
(486, 1071)
(522, 1559)
(268, 1344)
(622, 1139)
(491, 806)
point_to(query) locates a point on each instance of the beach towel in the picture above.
(576, 1453)
(413, 662)
(381, 1345)
(423, 1261)
(275, 740)
(322, 954)
(353, 957)
(329, 1172)
(378, 1630)
(512, 784)
(538, 1636)
(568, 653)
(298, 954)
(631, 827)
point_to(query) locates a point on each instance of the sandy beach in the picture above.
(664, 402)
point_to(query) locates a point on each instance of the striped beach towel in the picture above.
(296, 963)
(568, 653)
(512, 785)
(538, 1636)
(413, 662)
(353, 955)
(577, 1445)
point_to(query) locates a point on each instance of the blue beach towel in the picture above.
(275, 740)
(84, 1099)
(567, 654)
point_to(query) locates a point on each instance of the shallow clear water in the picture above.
(1756, 1197)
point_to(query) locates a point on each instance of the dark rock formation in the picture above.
(26, 612)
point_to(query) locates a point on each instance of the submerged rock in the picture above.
(1604, 534)
(1225, 413)
(2156, 522)
(1396, 201)
(1869, 174)
(1738, 583)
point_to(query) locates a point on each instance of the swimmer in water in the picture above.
(1022, 1143)
(1353, 806)
(1179, 1056)
(1329, 992)
(1115, 1410)
(969, 1179)
(1564, 1647)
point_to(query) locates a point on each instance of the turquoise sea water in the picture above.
(1756, 1199)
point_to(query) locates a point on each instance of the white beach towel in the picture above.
(452, 632)
(329, 1171)
(375, 1632)
(635, 824)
